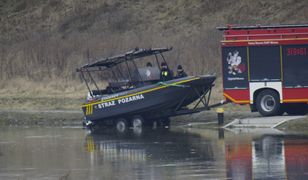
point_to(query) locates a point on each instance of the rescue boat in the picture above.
(136, 96)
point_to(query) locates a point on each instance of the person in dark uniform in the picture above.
(180, 72)
(165, 74)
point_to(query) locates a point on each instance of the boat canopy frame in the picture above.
(111, 63)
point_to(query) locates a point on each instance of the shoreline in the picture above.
(40, 117)
(203, 120)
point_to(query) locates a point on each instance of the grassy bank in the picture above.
(24, 94)
(296, 126)
(39, 103)
(45, 39)
(40, 118)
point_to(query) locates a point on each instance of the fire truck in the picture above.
(266, 67)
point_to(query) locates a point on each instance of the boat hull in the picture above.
(149, 100)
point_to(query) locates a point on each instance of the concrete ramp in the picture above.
(255, 131)
(261, 122)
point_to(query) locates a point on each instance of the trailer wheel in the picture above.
(137, 121)
(166, 122)
(268, 103)
(121, 125)
(296, 109)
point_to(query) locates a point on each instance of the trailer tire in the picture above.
(268, 103)
(137, 121)
(121, 125)
(161, 122)
(166, 122)
(296, 109)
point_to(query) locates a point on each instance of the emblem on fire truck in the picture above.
(235, 65)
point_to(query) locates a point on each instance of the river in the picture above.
(73, 153)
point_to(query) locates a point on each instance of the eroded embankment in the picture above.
(42, 117)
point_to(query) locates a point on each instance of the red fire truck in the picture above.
(266, 67)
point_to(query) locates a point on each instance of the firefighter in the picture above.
(165, 74)
(180, 72)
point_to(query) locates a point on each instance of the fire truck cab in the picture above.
(266, 67)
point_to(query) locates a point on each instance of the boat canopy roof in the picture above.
(128, 56)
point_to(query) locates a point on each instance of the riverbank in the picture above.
(54, 103)
(75, 116)
(40, 118)
(24, 94)
(203, 120)
(210, 121)
(299, 125)
(40, 103)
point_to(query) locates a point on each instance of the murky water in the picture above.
(71, 153)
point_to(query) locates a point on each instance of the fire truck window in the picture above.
(234, 60)
(264, 63)
(295, 65)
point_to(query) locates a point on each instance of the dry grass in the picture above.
(42, 44)
(46, 41)
(296, 126)
(28, 95)
(28, 88)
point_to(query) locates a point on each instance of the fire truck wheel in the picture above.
(296, 109)
(121, 125)
(268, 103)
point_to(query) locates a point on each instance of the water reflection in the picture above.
(202, 155)
(64, 153)
(155, 154)
(268, 157)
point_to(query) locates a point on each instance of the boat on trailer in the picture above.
(137, 96)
